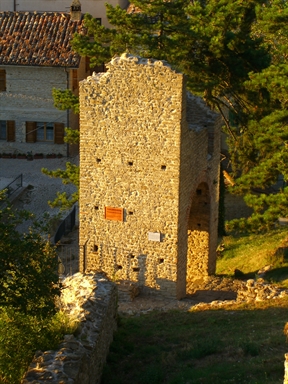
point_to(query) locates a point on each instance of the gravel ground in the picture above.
(41, 188)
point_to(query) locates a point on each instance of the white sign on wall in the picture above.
(154, 236)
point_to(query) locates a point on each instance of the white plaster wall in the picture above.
(29, 98)
(95, 7)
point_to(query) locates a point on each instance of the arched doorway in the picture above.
(198, 235)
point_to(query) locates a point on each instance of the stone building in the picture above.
(149, 177)
(95, 8)
(35, 57)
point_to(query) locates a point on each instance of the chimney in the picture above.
(75, 10)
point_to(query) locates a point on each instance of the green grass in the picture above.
(242, 344)
(22, 335)
(249, 253)
(239, 345)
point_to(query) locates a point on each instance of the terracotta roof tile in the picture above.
(42, 39)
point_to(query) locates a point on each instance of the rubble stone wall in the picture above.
(91, 300)
(286, 369)
(146, 145)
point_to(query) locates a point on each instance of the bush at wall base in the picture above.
(28, 265)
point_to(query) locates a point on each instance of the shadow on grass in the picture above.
(277, 275)
(239, 345)
(207, 296)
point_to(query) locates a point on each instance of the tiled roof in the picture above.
(40, 39)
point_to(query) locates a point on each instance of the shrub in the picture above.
(22, 335)
(28, 266)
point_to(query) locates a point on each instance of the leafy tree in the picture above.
(28, 265)
(22, 335)
(66, 100)
(211, 42)
(234, 55)
(264, 146)
(70, 175)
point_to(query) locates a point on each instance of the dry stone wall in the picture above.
(90, 300)
(145, 147)
(286, 369)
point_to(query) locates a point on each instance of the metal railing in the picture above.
(14, 185)
(66, 226)
(68, 257)
(68, 260)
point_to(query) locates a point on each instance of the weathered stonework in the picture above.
(286, 369)
(91, 300)
(151, 150)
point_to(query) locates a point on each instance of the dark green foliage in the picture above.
(216, 56)
(227, 51)
(267, 208)
(28, 266)
(261, 153)
(71, 136)
(65, 100)
(21, 336)
(70, 175)
(234, 55)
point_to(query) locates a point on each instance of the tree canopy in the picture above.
(28, 265)
(66, 100)
(234, 55)
(211, 42)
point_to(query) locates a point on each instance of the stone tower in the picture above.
(149, 177)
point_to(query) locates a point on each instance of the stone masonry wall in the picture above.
(144, 144)
(91, 300)
(29, 98)
(199, 190)
(286, 369)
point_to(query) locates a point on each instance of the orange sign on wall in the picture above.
(115, 214)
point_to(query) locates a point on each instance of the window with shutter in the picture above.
(39, 131)
(7, 130)
(10, 130)
(31, 132)
(59, 133)
(2, 80)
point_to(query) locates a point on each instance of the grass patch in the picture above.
(243, 344)
(249, 253)
(22, 335)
